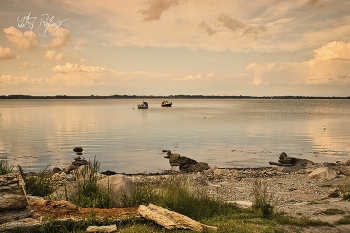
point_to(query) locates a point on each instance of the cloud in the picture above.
(156, 8)
(71, 68)
(61, 37)
(236, 26)
(330, 66)
(312, 2)
(27, 40)
(207, 28)
(52, 55)
(11, 80)
(333, 50)
(6, 53)
(80, 45)
(82, 60)
(232, 24)
(26, 65)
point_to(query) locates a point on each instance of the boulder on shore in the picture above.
(185, 164)
(292, 164)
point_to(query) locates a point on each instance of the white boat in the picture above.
(142, 105)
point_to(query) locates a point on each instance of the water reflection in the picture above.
(225, 133)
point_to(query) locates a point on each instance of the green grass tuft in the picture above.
(38, 185)
(88, 193)
(5, 168)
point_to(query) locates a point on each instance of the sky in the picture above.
(175, 47)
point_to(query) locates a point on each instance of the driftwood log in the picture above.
(170, 219)
(12, 194)
(111, 228)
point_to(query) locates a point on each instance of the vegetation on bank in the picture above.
(177, 195)
(116, 96)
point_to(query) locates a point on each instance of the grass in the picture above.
(179, 195)
(40, 185)
(332, 211)
(5, 168)
(262, 199)
(88, 193)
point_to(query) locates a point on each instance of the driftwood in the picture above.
(111, 228)
(170, 219)
(280, 164)
(12, 194)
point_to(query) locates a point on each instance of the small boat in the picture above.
(142, 105)
(166, 104)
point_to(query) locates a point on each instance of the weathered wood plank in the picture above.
(170, 219)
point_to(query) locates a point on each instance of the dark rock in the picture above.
(185, 164)
(78, 161)
(56, 170)
(294, 168)
(78, 149)
(108, 173)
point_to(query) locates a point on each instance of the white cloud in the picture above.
(71, 68)
(52, 55)
(26, 40)
(6, 53)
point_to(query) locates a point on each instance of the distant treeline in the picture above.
(169, 96)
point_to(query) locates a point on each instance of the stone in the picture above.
(119, 185)
(69, 168)
(185, 164)
(78, 149)
(12, 195)
(108, 173)
(242, 204)
(218, 172)
(345, 170)
(56, 170)
(323, 173)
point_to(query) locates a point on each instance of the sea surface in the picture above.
(222, 132)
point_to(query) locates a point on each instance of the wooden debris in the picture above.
(170, 219)
(111, 228)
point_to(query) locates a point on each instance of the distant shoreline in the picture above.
(169, 97)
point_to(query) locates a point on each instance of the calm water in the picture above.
(225, 133)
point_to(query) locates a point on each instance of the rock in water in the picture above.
(78, 149)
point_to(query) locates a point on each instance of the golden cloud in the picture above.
(26, 40)
(6, 53)
(61, 37)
